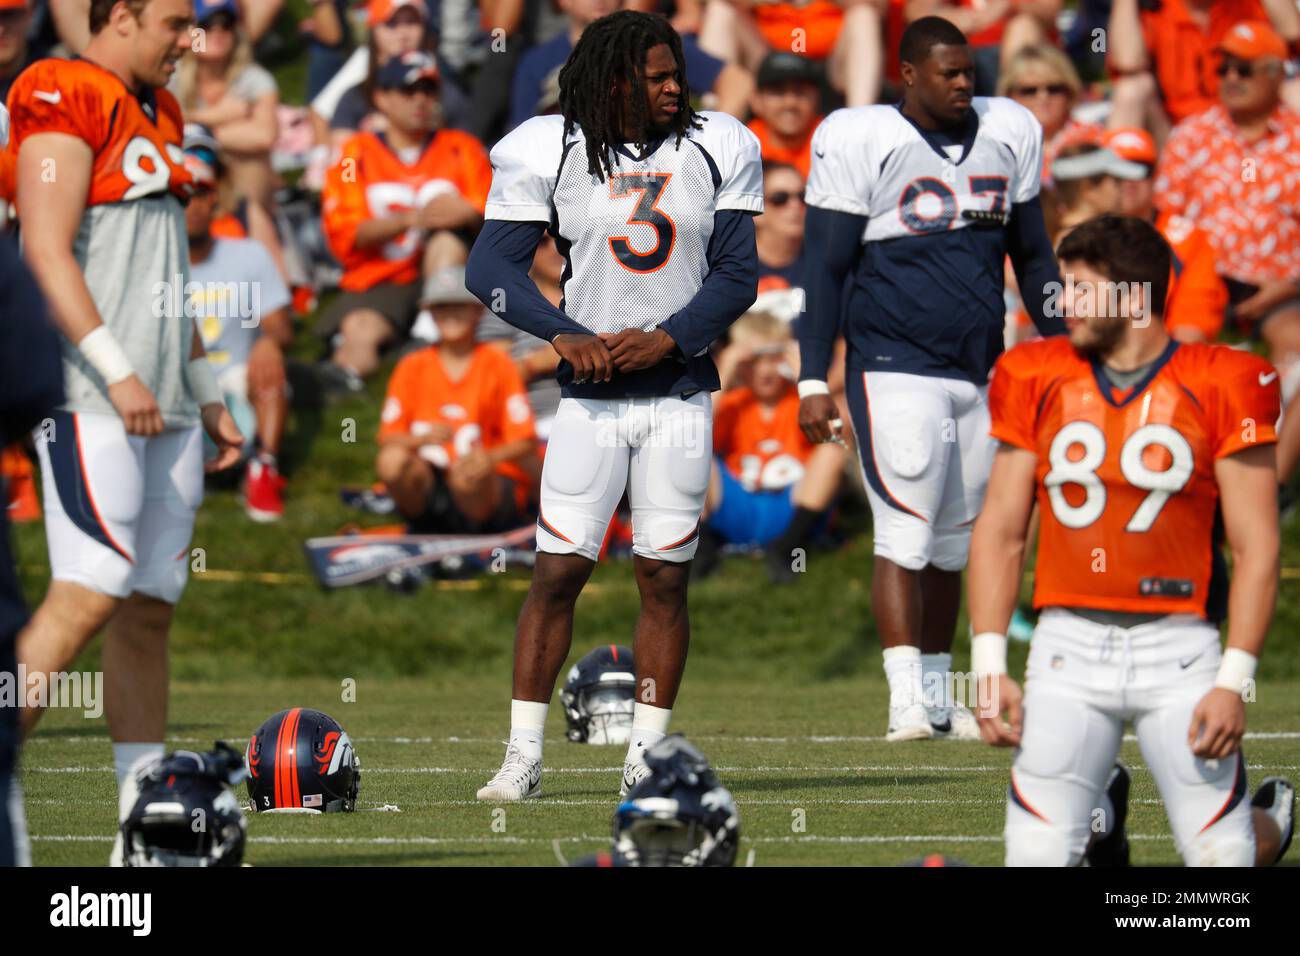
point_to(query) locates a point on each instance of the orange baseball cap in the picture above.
(1131, 143)
(381, 11)
(1252, 39)
(13, 4)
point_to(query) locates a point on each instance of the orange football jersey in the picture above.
(765, 450)
(1125, 481)
(369, 182)
(136, 139)
(487, 407)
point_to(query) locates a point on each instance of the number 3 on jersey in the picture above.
(648, 188)
(1082, 472)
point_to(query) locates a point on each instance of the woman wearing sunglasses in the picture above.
(220, 87)
(1043, 80)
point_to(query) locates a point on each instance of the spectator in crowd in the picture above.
(1086, 183)
(1235, 172)
(1163, 56)
(397, 27)
(785, 110)
(329, 40)
(220, 87)
(241, 307)
(1043, 80)
(730, 85)
(1197, 298)
(457, 446)
(236, 217)
(15, 55)
(513, 27)
(844, 35)
(778, 232)
(996, 29)
(397, 203)
(770, 486)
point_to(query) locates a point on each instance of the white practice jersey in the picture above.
(635, 245)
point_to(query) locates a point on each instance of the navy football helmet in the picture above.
(302, 759)
(598, 696)
(187, 813)
(679, 815)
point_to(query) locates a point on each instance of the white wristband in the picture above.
(813, 386)
(1236, 669)
(203, 382)
(988, 653)
(105, 356)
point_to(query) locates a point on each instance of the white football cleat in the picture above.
(518, 779)
(910, 722)
(954, 723)
(1276, 797)
(633, 773)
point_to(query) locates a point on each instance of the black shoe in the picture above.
(778, 561)
(706, 558)
(1112, 849)
(1276, 797)
(336, 380)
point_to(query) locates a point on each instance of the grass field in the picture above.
(783, 692)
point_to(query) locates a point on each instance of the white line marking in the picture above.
(590, 838)
(702, 738)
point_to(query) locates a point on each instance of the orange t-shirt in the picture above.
(819, 20)
(487, 407)
(764, 448)
(1125, 480)
(1197, 295)
(369, 181)
(800, 157)
(136, 140)
(1182, 54)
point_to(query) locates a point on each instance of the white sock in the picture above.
(18, 824)
(527, 723)
(935, 681)
(903, 671)
(127, 760)
(649, 726)
(1107, 809)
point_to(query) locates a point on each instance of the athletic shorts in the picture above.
(750, 517)
(442, 516)
(1084, 682)
(656, 450)
(396, 303)
(119, 508)
(926, 454)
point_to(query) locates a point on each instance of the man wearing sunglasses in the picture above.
(1234, 171)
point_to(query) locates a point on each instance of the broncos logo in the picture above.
(253, 757)
(325, 754)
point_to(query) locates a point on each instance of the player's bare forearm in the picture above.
(998, 539)
(1248, 498)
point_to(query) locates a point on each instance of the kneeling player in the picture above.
(1128, 440)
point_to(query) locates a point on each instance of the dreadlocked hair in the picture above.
(610, 56)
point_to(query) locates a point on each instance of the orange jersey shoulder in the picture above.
(135, 141)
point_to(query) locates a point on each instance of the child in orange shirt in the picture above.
(457, 442)
(770, 485)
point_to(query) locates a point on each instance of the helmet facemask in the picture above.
(607, 711)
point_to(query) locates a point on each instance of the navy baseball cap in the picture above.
(407, 70)
(205, 10)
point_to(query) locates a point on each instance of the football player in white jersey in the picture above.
(122, 457)
(652, 207)
(917, 205)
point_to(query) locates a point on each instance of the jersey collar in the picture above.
(1138, 387)
(146, 96)
(424, 147)
(935, 140)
